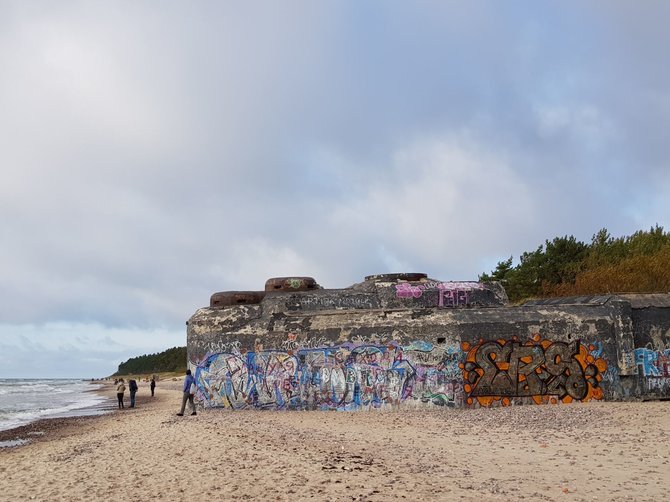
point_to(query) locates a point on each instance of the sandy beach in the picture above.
(594, 451)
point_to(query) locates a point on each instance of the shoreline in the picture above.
(25, 426)
(581, 451)
(46, 428)
(43, 428)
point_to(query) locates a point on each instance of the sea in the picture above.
(26, 400)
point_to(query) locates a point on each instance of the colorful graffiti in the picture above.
(545, 371)
(653, 363)
(345, 377)
(450, 294)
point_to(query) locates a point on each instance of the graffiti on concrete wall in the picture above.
(345, 377)
(293, 343)
(653, 363)
(333, 302)
(213, 346)
(450, 294)
(543, 370)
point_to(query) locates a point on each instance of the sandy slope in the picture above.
(595, 451)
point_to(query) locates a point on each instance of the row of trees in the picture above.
(568, 267)
(170, 360)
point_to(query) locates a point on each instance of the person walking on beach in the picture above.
(153, 385)
(189, 392)
(120, 389)
(132, 387)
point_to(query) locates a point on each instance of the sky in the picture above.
(153, 153)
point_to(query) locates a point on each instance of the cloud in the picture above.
(437, 203)
(154, 155)
(71, 350)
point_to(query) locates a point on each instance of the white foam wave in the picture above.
(25, 401)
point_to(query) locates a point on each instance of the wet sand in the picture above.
(594, 451)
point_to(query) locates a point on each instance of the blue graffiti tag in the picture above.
(654, 363)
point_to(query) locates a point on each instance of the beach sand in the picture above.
(593, 451)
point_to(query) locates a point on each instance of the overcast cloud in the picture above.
(152, 153)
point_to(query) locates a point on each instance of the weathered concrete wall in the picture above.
(651, 334)
(388, 342)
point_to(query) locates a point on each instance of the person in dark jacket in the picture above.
(188, 394)
(153, 385)
(120, 389)
(132, 387)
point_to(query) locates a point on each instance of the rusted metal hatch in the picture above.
(228, 298)
(403, 276)
(291, 284)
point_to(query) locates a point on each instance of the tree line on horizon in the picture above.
(170, 360)
(564, 266)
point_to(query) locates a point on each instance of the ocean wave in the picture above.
(25, 401)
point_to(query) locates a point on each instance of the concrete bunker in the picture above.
(406, 340)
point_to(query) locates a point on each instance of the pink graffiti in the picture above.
(451, 294)
(406, 290)
(454, 298)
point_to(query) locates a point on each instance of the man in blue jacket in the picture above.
(188, 394)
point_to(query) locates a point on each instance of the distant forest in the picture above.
(639, 263)
(170, 360)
